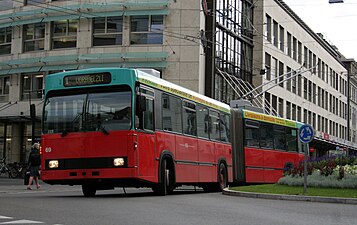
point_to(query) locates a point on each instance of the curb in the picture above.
(352, 201)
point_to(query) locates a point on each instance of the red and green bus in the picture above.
(114, 127)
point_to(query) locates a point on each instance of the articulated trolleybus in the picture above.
(113, 127)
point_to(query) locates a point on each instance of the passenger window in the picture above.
(189, 118)
(224, 127)
(149, 115)
(214, 131)
(171, 113)
(202, 121)
(266, 136)
(291, 138)
(251, 133)
(279, 138)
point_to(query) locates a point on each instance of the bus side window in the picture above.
(292, 139)
(252, 136)
(189, 118)
(266, 136)
(214, 130)
(148, 115)
(279, 138)
(171, 113)
(202, 122)
(224, 127)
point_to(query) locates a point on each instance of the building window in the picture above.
(305, 88)
(4, 89)
(275, 35)
(107, 31)
(294, 48)
(34, 2)
(268, 33)
(293, 111)
(299, 81)
(146, 30)
(288, 41)
(267, 66)
(299, 52)
(64, 34)
(34, 37)
(281, 40)
(6, 4)
(306, 57)
(281, 107)
(289, 79)
(32, 86)
(288, 110)
(281, 74)
(5, 40)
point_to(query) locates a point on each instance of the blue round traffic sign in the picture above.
(306, 133)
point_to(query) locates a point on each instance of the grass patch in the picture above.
(293, 190)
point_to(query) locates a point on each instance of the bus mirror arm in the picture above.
(104, 130)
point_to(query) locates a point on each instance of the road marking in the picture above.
(5, 217)
(21, 222)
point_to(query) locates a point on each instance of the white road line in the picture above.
(21, 222)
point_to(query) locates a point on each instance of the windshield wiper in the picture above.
(104, 130)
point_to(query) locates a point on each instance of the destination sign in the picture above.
(87, 79)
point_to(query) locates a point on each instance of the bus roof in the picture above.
(129, 76)
(172, 88)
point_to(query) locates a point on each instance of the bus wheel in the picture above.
(88, 190)
(222, 177)
(162, 188)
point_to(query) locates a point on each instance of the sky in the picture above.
(337, 22)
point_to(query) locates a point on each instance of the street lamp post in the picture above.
(348, 110)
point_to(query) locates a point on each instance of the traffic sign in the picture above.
(306, 133)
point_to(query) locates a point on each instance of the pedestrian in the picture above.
(34, 165)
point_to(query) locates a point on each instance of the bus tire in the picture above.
(222, 177)
(88, 190)
(167, 184)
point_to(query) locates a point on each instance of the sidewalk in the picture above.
(8, 185)
(13, 186)
(352, 201)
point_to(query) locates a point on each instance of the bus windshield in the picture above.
(93, 111)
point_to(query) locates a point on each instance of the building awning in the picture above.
(326, 145)
(16, 119)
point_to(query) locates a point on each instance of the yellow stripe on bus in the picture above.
(269, 119)
(183, 94)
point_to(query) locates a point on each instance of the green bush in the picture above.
(325, 172)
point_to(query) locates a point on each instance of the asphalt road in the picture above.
(65, 205)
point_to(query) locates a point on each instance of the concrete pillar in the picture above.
(13, 149)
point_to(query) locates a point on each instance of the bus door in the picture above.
(144, 122)
(186, 145)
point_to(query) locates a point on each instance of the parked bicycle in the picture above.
(18, 169)
(6, 169)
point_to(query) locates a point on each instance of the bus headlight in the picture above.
(53, 164)
(119, 162)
